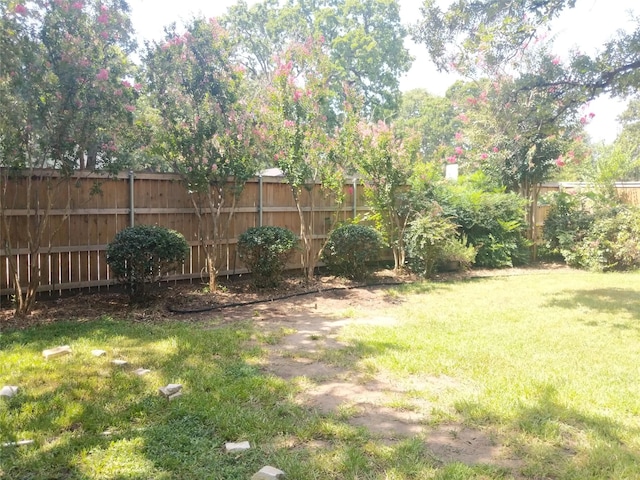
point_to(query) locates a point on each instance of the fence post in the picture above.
(260, 206)
(132, 213)
(355, 197)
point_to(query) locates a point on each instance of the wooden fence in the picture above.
(101, 206)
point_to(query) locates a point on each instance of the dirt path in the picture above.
(385, 406)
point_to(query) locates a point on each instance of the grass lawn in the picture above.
(548, 365)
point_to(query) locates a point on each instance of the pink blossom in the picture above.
(297, 95)
(104, 35)
(463, 118)
(103, 74)
(126, 84)
(496, 149)
(556, 61)
(289, 123)
(21, 9)
(214, 167)
(459, 150)
(560, 162)
(484, 156)
(78, 5)
(118, 92)
(137, 87)
(103, 18)
(583, 120)
(451, 159)
(130, 108)
(591, 115)
(459, 135)
(104, 8)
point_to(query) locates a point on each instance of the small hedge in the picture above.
(350, 249)
(265, 251)
(142, 254)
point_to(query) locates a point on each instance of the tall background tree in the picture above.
(364, 41)
(208, 129)
(65, 101)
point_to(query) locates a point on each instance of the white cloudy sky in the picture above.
(586, 27)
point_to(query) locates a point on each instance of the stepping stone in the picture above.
(98, 353)
(18, 444)
(120, 363)
(268, 473)
(141, 371)
(237, 447)
(171, 391)
(56, 352)
(8, 391)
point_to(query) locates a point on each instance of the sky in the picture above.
(585, 27)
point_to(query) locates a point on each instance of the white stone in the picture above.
(171, 391)
(98, 353)
(55, 352)
(17, 444)
(120, 363)
(268, 473)
(8, 391)
(141, 371)
(237, 447)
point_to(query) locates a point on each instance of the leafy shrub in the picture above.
(350, 248)
(265, 251)
(611, 243)
(567, 223)
(143, 253)
(427, 238)
(492, 221)
(456, 254)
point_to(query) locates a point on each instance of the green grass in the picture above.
(547, 364)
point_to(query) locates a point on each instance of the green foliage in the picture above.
(611, 243)
(265, 251)
(363, 40)
(350, 249)
(427, 238)
(492, 221)
(385, 163)
(143, 253)
(567, 222)
(457, 254)
(433, 118)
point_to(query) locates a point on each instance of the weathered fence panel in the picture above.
(89, 209)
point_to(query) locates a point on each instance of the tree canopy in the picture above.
(489, 36)
(363, 39)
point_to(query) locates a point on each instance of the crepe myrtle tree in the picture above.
(307, 149)
(208, 128)
(66, 96)
(519, 137)
(386, 160)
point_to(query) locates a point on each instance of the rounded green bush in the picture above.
(350, 249)
(265, 251)
(143, 253)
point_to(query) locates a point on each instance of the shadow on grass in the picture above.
(557, 441)
(66, 404)
(606, 300)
